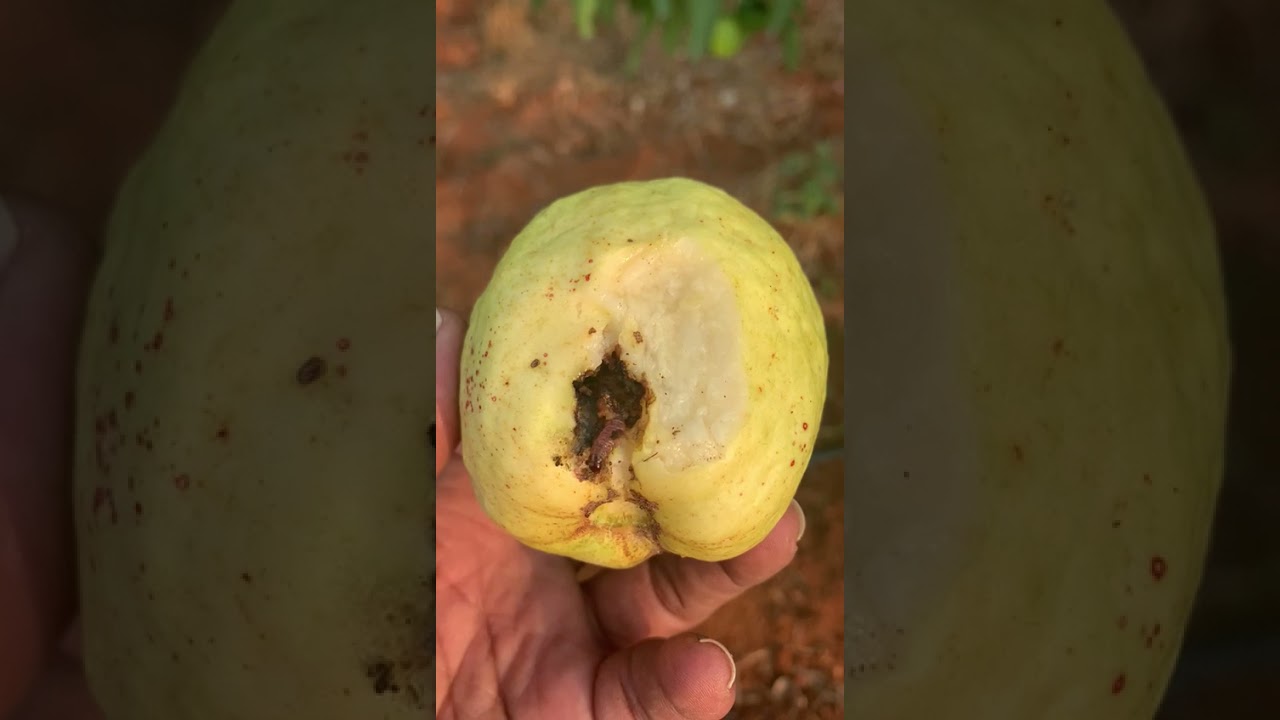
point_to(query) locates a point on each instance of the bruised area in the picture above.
(609, 403)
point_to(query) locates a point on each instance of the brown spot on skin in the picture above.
(223, 433)
(381, 675)
(1117, 684)
(591, 331)
(1150, 638)
(536, 362)
(344, 344)
(637, 337)
(1158, 568)
(311, 370)
(246, 577)
(182, 482)
(103, 497)
(1017, 453)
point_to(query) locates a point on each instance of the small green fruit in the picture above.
(645, 372)
(727, 38)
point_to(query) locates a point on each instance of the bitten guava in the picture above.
(645, 372)
(253, 498)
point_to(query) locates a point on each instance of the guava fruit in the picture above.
(645, 372)
(1039, 366)
(252, 493)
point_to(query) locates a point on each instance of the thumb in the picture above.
(686, 677)
(449, 331)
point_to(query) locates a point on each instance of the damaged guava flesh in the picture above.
(645, 372)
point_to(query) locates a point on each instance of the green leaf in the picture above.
(791, 47)
(673, 29)
(781, 12)
(606, 11)
(636, 52)
(752, 16)
(584, 12)
(662, 10)
(793, 164)
(702, 18)
(536, 5)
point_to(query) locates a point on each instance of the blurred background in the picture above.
(536, 100)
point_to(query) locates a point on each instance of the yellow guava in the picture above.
(645, 372)
(1039, 366)
(252, 485)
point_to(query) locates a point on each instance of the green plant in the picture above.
(808, 185)
(699, 26)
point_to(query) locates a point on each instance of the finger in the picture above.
(680, 678)
(41, 296)
(61, 694)
(449, 331)
(670, 594)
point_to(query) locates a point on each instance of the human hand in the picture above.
(519, 637)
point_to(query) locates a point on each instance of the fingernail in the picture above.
(438, 321)
(733, 666)
(800, 511)
(8, 234)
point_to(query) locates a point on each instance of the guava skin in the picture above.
(1040, 368)
(697, 443)
(252, 497)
